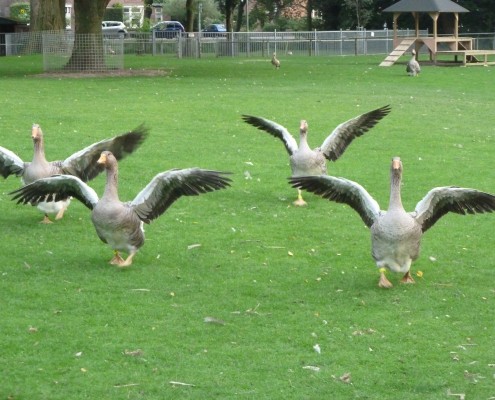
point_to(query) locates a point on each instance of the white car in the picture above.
(113, 27)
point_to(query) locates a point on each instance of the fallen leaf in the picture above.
(346, 378)
(180, 383)
(133, 353)
(193, 246)
(317, 348)
(212, 320)
(312, 368)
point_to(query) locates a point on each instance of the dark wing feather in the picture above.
(83, 163)
(273, 129)
(341, 190)
(10, 163)
(56, 188)
(342, 136)
(167, 187)
(441, 200)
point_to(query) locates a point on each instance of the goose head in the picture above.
(107, 159)
(303, 128)
(36, 133)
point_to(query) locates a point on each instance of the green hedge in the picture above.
(114, 14)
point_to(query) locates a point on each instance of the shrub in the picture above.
(20, 12)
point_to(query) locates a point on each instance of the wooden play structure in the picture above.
(447, 43)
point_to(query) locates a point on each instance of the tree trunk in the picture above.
(189, 16)
(148, 8)
(46, 15)
(230, 5)
(87, 53)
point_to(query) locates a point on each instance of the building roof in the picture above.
(426, 6)
(7, 21)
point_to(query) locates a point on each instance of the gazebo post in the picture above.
(456, 25)
(434, 17)
(395, 25)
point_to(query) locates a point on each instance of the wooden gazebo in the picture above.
(444, 43)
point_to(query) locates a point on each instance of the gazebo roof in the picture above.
(446, 6)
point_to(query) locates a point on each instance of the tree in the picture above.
(47, 15)
(87, 53)
(228, 8)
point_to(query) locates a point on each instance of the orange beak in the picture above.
(102, 159)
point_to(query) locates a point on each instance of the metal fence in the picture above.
(57, 46)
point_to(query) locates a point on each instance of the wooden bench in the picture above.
(470, 57)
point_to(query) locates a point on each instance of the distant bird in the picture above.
(81, 164)
(413, 68)
(275, 61)
(395, 233)
(303, 160)
(120, 224)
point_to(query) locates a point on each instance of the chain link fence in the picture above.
(64, 51)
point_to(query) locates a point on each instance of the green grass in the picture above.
(281, 278)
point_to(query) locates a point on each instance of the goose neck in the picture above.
(111, 186)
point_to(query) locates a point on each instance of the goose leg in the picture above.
(60, 214)
(299, 202)
(46, 220)
(407, 278)
(117, 259)
(128, 261)
(384, 282)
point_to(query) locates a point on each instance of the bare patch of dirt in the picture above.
(105, 74)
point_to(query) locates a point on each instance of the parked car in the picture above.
(113, 27)
(168, 29)
(215, 30)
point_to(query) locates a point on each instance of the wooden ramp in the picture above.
(397, 52)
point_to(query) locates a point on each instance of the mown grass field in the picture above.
(272, 279)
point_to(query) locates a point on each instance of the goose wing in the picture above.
(55, 188)
(168, 186)
(273, 129)
(342, 136)
(441, 200)
(83, 164)
(341, 190)
(10, 163)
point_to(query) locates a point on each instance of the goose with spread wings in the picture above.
(81, 164)
(306, 161)
(117, 223)
(395, 233)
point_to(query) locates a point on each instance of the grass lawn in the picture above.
(272, 280)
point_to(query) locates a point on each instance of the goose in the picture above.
(395, 233)
(304, 160)
(120, 224)
(81, 164)
(275, 61)
(413, 68)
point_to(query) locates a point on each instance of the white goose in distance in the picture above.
(117, 223)
(306, 161)
(395, 233)
(81, 164)
(412, 67)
